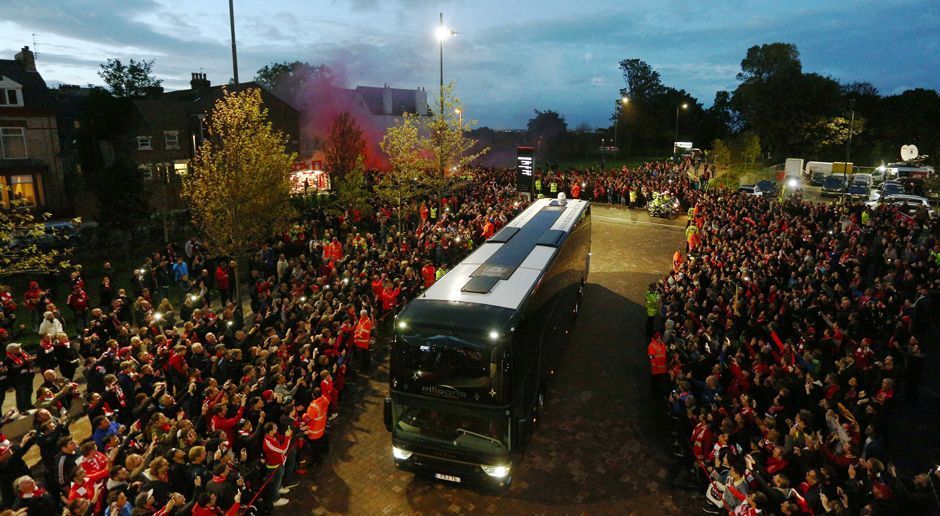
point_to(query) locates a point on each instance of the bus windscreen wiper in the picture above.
(481, 436)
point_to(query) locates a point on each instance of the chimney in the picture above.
(26, 59)
(387, 100)
(199, 82)
(421, 102)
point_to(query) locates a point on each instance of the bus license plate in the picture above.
(449, 478)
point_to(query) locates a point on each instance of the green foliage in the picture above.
(134, 79)
(121, 195)
(764, 62)
(721, 154)
(23, 239)
(345, 145)
(350, 189)
(288, 79)
(546, 129)
(240, 185)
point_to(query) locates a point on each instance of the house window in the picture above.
(23, 189)
(11, 97)
(171, 139)
(146, 171)
(143, 143)
(13, 141)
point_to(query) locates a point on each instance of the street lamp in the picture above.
(442, 33)
(459, 116)
(683, 106)
(623, 102)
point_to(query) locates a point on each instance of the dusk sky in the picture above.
(509, 58)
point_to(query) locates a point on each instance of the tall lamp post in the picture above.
(231, 20)
(623, 103)
(848, 145)
(443, 32)
(459, 118)
(683, 106)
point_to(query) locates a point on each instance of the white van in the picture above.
(817, 171)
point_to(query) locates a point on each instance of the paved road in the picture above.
(603, 445)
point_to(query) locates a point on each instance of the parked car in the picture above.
(858, 192)
(865, 179)
(907, 204)
(751, 190)
(58, 234)
(767, 187)
(833, 186)
(887, 188)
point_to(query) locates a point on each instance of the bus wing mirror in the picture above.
(387, 414)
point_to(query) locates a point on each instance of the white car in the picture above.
(751, 190)
(908, 204)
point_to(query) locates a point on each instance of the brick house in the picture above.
(162, 134)
(30, 162)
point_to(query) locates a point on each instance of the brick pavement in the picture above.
(602, 447)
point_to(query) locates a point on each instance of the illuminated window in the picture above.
(143, 143)
(171, 139)
(13, 141)
(146, 170)
(181, 167)
(23, 189)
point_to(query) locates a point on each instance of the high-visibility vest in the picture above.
(434, 213)
(363, 332)
(538, 185)
(315, 417)
(440, 273)
(657, 353)
(652, 303)
(552, 187)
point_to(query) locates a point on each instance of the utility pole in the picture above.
(231, 20)
(848, 146)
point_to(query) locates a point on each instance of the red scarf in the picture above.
(19, 359)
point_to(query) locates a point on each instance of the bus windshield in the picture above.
(446, 364)
(457, 426)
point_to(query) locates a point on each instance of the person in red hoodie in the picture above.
(32, 298)
(329, 390)
(222, 283)
(429, 273)
(390, 295)
(227, 425)
(78, 302)
(275, 447)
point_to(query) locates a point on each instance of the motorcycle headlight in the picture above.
(496, 471)
(400, 454)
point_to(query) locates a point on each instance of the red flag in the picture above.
(777, 341)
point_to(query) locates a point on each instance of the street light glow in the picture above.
(625, 99)
(457, 110)
(443, 32)
(685, 106)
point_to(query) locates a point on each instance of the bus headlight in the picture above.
(496, 471)
(400, 454)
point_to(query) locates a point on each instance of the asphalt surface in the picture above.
(603, 446)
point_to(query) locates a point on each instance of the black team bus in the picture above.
(472, 353)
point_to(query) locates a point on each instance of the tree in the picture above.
(721, 154)
(20, 235)
(345, 145)
(546, 129)
(240, 185)
(409, 162)
(766, 61)
(448, 144)
(642, 81)
(134, 79)
(121, 195)
(350, 188)
(288, 79)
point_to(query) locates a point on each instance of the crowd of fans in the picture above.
(784, 341)
(197, 406)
